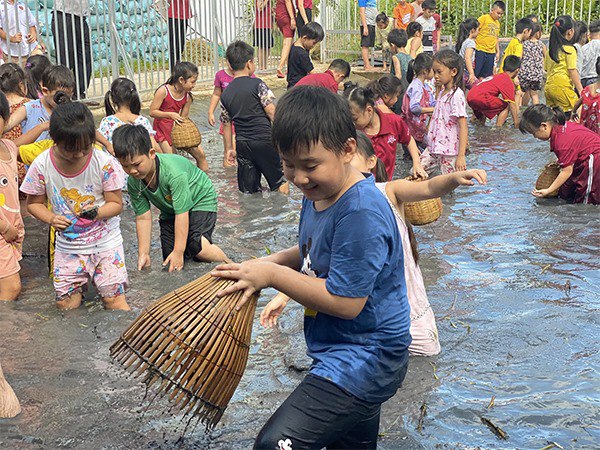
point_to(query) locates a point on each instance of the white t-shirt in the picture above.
(70, 194)
(10, 25)
(428, 29)
(109, 124)
(75, 7)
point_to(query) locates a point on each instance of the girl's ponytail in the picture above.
(560, 117)
(534, 115)
(61, 97)
(108, 104)
(360, 96)
(379, 171)
(122, 93)
(464, 31)
(410, 71)
(559, 29)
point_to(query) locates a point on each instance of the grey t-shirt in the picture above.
(75, 7)
(590, 53)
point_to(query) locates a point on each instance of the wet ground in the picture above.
(513, 281)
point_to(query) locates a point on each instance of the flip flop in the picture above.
(280, 74)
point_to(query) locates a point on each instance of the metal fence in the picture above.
(341, 21)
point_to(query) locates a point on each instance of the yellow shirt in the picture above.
(558, 72)
(515, 47)
(487, 38)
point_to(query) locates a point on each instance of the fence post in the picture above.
(113, 41)
(215, 35)
(323, 13)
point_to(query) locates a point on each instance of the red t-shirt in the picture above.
(393, 131)
(263, 17)
(179, 9)
(573, 143)
(493, 86)
(325, 80)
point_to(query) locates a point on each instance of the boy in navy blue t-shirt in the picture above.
(347, 271)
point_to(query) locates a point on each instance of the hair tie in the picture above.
(557, 23)
(28, 65)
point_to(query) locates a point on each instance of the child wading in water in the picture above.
(84, 187)
(11, 223)
(465, 47)
(577, 149)
(346, 271)
(419, 100)
(222, 79)
(590, 104)
(448, 133)
(423, 329)
(171, 104)
(183, 193)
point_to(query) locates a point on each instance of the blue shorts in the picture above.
(484, 64)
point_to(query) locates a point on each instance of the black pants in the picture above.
(73, 48)
(177, 33)
(300, 21)
(256, 158)
(319, 414)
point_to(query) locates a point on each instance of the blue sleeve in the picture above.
(415, 95)
(359, 251)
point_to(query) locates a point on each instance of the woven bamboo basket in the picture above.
(9, 403)
(194, 344)
(547, 177)
(423, 212)
(186, 134)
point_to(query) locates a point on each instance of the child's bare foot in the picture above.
(67, 302)
(226, 163)
(116, 303)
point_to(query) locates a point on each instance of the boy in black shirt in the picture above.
(299, 63)
(248, 104)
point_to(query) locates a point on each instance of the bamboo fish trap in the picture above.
(194, 344)
(186, 134)
(423, 212)
(547, 177)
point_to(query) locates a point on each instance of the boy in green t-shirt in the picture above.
(183, 193)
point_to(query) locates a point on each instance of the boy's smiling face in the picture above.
(318, 172)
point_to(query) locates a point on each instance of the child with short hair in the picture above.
(346, 271)
(384, 26)
(181, 191)
(591, 53)
(495, 95)
(419, 101)
(448, 133)
(248, 104)
(404, 13)
(577, 149)
(18, 32)
(414, 44)
(531, 73)
(579, 39)
(429, 25)
(398, 40)
(299, 63)
(337, 72)
(465, 47)
(171, 104)
(34, 70)
(590, 104)
(487, 50)
(11, 222)
(84, 187)
(523, 29)
(58, 85)
(367, 10)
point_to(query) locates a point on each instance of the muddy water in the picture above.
(513, 281)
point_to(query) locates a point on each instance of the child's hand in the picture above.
(11, 234)
(143, 261)
(251, 276)
(211, 119)
(419, 172)
(365, 31)
(60, 222)
(31, 38)
(17, 38)
(231, 157)
(174, 260)
(176, 117)
(466, 177)
(461, 163)
(472, 80)
(293, 24)
(540, 193)
(269, 315)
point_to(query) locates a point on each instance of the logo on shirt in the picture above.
(285, 444)
(391, 139)
(308, 270)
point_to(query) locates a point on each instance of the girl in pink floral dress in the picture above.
(448, 134)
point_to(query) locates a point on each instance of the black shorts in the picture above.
(263, 38)
(367, 41)
(256, 158)
(300, 21)
(201, 223)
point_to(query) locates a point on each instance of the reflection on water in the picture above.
(513, 281)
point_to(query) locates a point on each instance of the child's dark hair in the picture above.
(594, 27)
(429, 4)
(598, 66)
(534, 115)
(122, 92)
(561, 25)
(580, 35)
(183, 69)
(316, 115)
(360, 96)
(341, 66)
(131, 140)
(72, 126)
(12, 79)
(382, 18)
(413, 28)
(238, 54)
(398, 37)
(533, 17)
(537, 28)
(511, 63)
(452, 60)
(423, 62)
(4, 107)
(364, 147)
(313, 30)
(464, 30)
(523, 24)
(499, 4)
(35, 66)
(386, 85)
(58, 77)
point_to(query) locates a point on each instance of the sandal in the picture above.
(280, 74)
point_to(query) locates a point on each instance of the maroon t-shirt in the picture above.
(573, 143)
(325, 80)
(393, 131)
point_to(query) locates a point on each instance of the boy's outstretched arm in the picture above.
(143, 227)
(175, 258)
